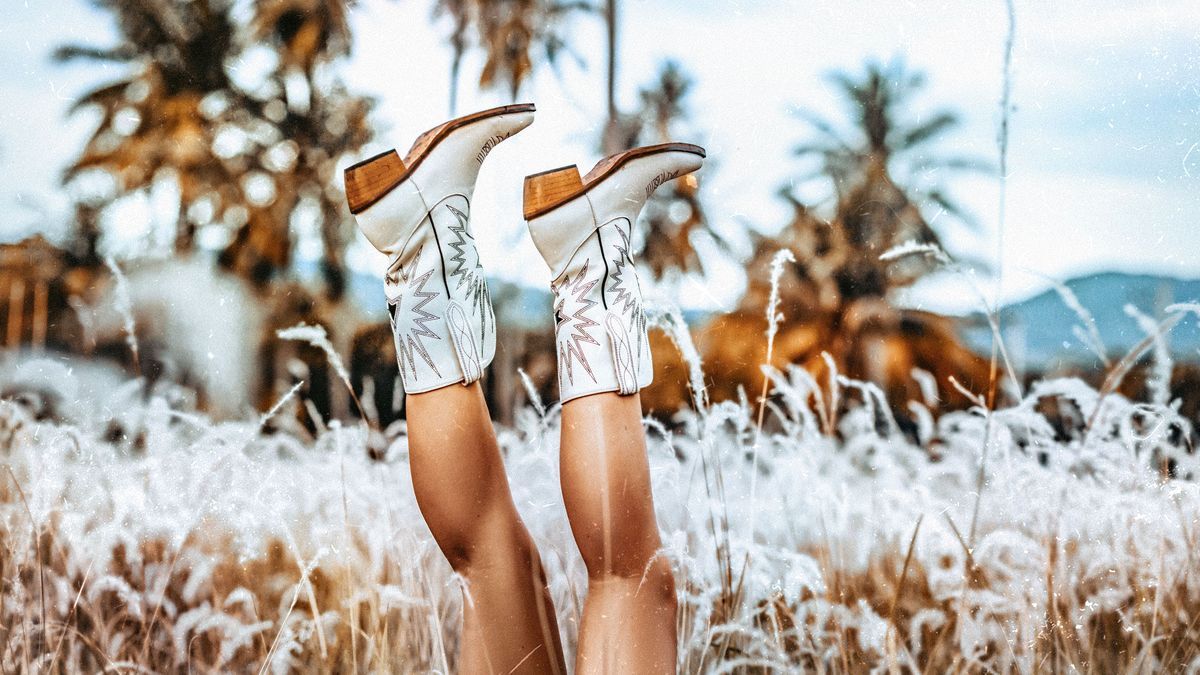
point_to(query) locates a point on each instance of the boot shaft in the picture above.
(600, 325)
(418, 212)
(583, 227)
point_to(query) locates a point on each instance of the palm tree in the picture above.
(176, 111)
(314, 128)
(840, 258)
(612, 129)
(884, 140)
(304, 32)
(838, 296)
(675, 214)
(874, 210)
(462, 13)
(334, 123)
(513, 34)
(160, 116)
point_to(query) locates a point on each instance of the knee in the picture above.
(458, 551)
(495, 538)
(454, 531)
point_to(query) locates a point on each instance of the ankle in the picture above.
(656, 577)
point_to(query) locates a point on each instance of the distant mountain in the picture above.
(1038, 331)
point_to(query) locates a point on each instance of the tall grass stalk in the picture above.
(990, 309)
(1089, 332)
(670, 320)
(1002, 132)
(774, 316)
(315, 336)
(1117, 373)
(125, 306)
(1159, 380)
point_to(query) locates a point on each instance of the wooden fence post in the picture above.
(41, 315)
(16, 312)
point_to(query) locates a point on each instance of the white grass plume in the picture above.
(1182, 307)
(125, 307)
(316, 336)
(1088, 333)
(532, 394)
(1159, 380)
(774, 316)
(670, 319)
(914, 247)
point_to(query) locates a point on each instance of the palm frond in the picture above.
(119, 54)
(559, 9)
(851, 89)
(954, 208)
(107, 96)
(934, 126)
(961, 163)
(823, 127)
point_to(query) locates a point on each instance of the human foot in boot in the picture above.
(417, 211)
(583, 226)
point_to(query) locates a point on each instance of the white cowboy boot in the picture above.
(417, 212)
(583, 227)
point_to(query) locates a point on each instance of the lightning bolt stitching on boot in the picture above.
(409, 345)
(630, 300)
(477, 293)
(569, 348)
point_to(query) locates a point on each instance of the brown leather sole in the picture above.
(548, 190)
(369, 180)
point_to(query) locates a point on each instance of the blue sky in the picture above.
(1104, 153)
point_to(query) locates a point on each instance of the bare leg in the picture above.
(629, 615)
(462, 491)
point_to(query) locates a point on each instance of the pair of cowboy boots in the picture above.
(417, 211)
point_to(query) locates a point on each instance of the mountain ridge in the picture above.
(1039, 333)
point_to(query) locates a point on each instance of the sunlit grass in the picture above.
(141, 536)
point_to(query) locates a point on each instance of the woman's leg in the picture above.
(629, 615)
(462, 491)
(600, 338)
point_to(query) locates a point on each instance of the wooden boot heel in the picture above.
(369, 180)
(547, 189)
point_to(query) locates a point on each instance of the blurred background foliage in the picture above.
(253, 158)
(247, 158)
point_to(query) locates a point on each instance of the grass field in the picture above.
(141, 537)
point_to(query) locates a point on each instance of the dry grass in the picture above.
(138, 537)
